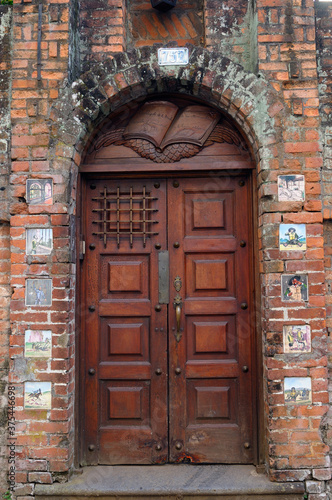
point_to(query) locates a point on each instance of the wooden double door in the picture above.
(167, 306)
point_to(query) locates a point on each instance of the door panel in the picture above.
(209, 273)
(209, 393)
(162, 391)
(126, 341)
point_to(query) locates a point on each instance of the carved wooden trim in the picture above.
(172, 153)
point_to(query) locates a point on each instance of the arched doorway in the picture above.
(168, 337)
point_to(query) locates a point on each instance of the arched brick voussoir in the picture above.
(209, 76)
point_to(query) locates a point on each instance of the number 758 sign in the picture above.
(173, 57)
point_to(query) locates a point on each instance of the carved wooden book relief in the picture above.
(164, 133)
(151, 122)
(162, 123)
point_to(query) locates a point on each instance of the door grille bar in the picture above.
(125, 214)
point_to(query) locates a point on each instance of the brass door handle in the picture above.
(178, 318)
(178, 306)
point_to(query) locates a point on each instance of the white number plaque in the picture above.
(173, 57)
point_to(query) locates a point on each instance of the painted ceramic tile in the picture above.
(297, 390)
(39, 241)
(38, 343)
(39, 191)
(292, 237)
(297, 338)
(294, 287)
(38, 292)
(37, 395)
(291, 188)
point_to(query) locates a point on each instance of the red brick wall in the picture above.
(324, 49)
(231, 27)
(109, 27)
(102, 29)
(39, 451)
(287, 57)
(4, 342)
(148, 26)
(5, 290)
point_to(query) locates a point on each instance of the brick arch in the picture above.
(211, 78)
(249, 100)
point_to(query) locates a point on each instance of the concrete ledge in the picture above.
(173, 497)
(171, 482)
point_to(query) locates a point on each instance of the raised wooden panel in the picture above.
(210, 275)
(208, 214)
(210, 337)
(125, 276)
(125, 403)
(208, 211)
(212, 402)
(125, 339)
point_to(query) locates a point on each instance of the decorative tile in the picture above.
(39, 191)
(38, 343)
(291, 188)
(292, 237)
(294, 287)
(297, 390)
(39, 241)
(297, 338)
(38, 395)
(38, 292)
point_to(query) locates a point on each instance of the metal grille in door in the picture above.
(126, 214)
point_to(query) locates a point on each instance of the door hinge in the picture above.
(82, 249)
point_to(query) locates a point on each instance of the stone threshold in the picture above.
(171, 482)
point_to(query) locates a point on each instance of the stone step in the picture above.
(170, 482)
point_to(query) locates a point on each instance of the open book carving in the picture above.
(164, 133)
(162, 123)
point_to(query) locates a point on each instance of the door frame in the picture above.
(168, 171)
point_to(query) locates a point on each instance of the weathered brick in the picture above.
(314, 486)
